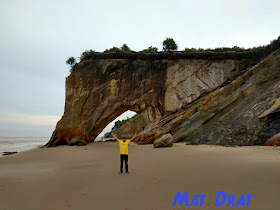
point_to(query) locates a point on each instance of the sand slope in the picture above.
(87, 177)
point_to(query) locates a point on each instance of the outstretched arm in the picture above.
(133, 138)
(114, 136)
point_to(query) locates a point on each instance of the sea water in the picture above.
(19, 144)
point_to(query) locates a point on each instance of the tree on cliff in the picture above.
(125, 48)
(71, 61)
(169, 44)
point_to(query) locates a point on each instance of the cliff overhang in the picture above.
(172, 92)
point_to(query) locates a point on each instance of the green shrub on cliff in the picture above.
(125, 48)
(236, 48)
(113, 49)
(169, 44)
(120, 123)
(218, 49)
(150, 49)
(190, 49)
(86, 53)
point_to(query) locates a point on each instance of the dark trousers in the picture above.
(125, 159)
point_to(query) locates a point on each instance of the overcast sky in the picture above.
(36, 38)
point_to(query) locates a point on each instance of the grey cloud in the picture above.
(36, 37)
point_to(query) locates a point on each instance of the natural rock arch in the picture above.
(100, 90)
(116, 124)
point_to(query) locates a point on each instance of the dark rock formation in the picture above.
(165, 141)
(8, 153)
(268, 132)
(245, 112)
(212, 98)
(273, 141)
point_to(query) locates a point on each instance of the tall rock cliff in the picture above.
(195, 97)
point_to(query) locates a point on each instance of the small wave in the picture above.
(19, 144)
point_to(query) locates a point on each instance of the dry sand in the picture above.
(87, 177)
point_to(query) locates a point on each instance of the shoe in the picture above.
(120, 172)
(127, 172)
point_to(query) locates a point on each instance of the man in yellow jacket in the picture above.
(123, 151)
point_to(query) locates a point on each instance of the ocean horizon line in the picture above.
(25, 137)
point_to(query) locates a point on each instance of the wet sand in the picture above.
(88, 177)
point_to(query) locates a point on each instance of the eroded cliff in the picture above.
(195, 99)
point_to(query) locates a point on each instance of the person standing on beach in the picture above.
(123, 150)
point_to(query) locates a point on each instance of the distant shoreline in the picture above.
(20, 144)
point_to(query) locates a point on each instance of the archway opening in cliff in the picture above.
(115, 124)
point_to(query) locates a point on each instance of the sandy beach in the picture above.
(87, 177)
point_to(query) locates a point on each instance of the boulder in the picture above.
(165, 141)
(273, 141)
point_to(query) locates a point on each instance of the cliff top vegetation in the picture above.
(169, 52)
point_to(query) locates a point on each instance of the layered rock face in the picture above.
(245, 112)
(196, 100)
